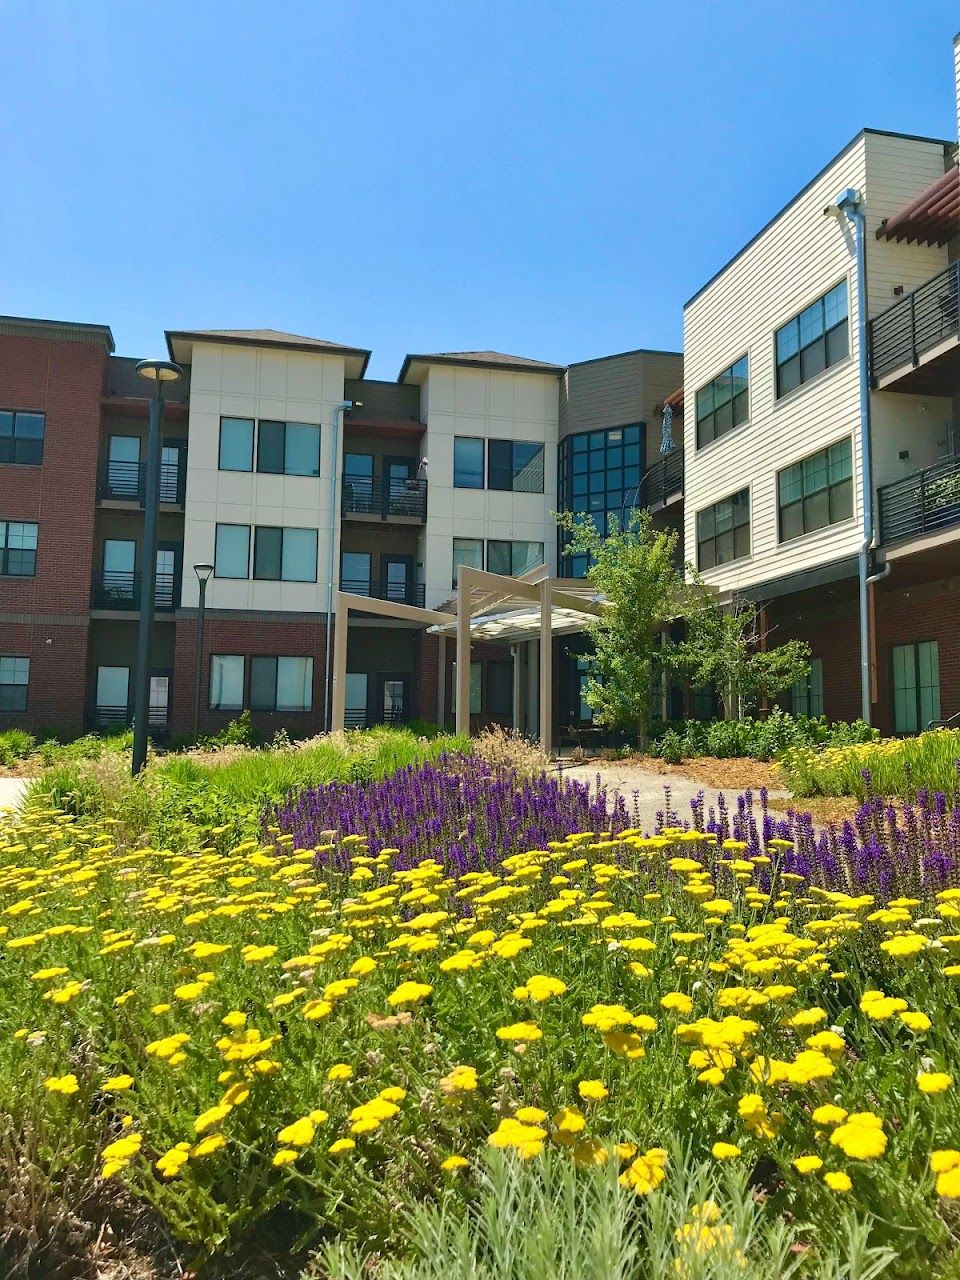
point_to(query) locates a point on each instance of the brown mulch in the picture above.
(724, 774)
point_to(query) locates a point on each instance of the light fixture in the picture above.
(203, 571)
(159, 370)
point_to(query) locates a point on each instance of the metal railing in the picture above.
(381, 589)
(110, 717)
(661, 481)
(384, 498)
(126, 481)
(120, 589)
(922, 503)
(915, 324)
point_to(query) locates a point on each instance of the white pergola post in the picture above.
(338, 708)
(546, 668)
(441, 680)
(517, 709)
(464, 598)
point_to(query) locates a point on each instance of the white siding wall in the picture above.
(255, 382)
(493, 405)
(794, 261)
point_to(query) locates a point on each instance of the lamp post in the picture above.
(203, 572)
(158, 372)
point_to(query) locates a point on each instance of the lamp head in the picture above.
(159, 370)
(203, 571)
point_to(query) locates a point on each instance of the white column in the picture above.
(515, 652)
(546, 669)
(464, 596)
(339, 699)
(441, 680)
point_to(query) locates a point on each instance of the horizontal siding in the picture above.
(797, 259)
(620, 390)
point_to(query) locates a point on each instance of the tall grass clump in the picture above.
(896, 767)
(15, 745)
(755, 738)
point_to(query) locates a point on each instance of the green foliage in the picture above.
(760, 739)
(723, 648)
(896, 767)
(635, 568)
(238, 733)
(15, 744)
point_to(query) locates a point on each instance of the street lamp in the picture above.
(158, 372)
(203, 572)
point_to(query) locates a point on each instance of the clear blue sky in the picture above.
(546, 178)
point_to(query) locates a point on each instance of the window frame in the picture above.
(230, 577)
(823, 336)
(515, 470)
(830, 489)
(220, 706)
(712, 385)
(808, 691)
(483, 461)
(283, 531)
(456, 563)
(15, 684)
(711, 507)
(233, 418)
(13, 460)
(284, 432)
(276, 659)
(6, 549)
(512, 543)
(915, 646)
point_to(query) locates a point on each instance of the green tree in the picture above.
(635, 568)
(727, 646)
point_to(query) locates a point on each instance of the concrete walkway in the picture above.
(12, 790)
(645, 789)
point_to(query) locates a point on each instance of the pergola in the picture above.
(486, 607)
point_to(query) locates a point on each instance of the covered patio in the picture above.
(486, 607)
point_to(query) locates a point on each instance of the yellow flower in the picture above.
(646, 1172)
(190, 990)
(828, 1114)
(525, 1031)
(526, 1139)
(340, 1071)
(837, 1181)
(172, 1161)
(408, 993)
(934, 1081)
(61, 1084)
(207, 1119)
(916, 1021)
(569, 1120)
(253, 954)
(540, 988)
(530, 1115)
(285, 1156)
(207, 1146)
(234, 1020)
(116, 1084)
(861, 1137)
(460, 1080)
(807, 1164)
(593, 1090)
(454, 1163)
(677, 1002)
(341, 1146)
(724, 1151)
(944, 1160)
(299, 1134)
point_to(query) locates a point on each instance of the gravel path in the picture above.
(647, 788)
(11, 791)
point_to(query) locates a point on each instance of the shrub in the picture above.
(238, 733)
(510, 749)
(670, 747)
(889, 767)
(15, 744)
(760, 739)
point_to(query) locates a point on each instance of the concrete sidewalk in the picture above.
(12, 791)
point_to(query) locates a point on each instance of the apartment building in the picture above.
(779, 483)
(287, 470)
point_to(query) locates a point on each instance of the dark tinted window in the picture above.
(267, 552)
(21, 437)
(18, 548)
(723, 403)
(270, 446)
(723, 531)
(467, 463)
(816, 492)
(813, 341)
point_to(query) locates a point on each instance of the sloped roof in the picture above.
(264, 338)
(481, 360)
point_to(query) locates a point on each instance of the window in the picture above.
(232, 553)
(236, 444)
(281, 684)
(14, 681)
(600, 473)
(286, 555)
(476, 686)
(723, 403)
(288, 448)
(226, 682)
(723, 531)
(468, 551)
(113, 684)
(817, 491)
(500, 689)
(916, 686)
(513, 558)
(355, 699)
(355, 572)
(515, 465)
(813, 341)
(467, 463)
(18, 548)
(21, 437)
(806, 696)
(583, 673)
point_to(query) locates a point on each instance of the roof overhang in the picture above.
(415, 368)
(180, 344)
(932, 217)
(58, 330)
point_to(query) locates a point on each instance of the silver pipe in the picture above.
(338, 412)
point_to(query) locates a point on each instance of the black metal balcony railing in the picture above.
(915, 324)
(922, 503)
(661, 481)
(384, 498)
(126, 481)
(399, 592)
(120, 589)
(110, 717)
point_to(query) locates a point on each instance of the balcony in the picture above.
(115, 717)
(662, 482)
(127, 481)
(925, 502)
(120, 589)
(384, 498)
(398, 592)
(915, 344)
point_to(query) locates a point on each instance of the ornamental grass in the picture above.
(285, 1044)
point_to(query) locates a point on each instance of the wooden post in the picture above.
(441, 680)
(339, 698)
(546, 669)
(464, 598)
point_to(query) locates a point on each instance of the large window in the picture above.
(226, 682)
(723, 531)
(600, 473)
(806, 694)
(18, 548)
(468, 470)
(232, 554)
(281, 684)
(21, 437)
(286, 555)
(355, 572)
(916, 686)
(499, 700)
(236, 444)
(723, 403)
(288, 448)
(14, 683)
(813, 341)
(513, 558)
(468, 551)
(515, 465)
(817, 491)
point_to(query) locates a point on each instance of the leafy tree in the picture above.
(726, 646)
(635, 568)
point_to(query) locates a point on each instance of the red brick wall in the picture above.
(930, 612)
(428, 666)
(63, 380)
(275, 638)
(834, 636)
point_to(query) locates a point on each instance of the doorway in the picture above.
(393, 698)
